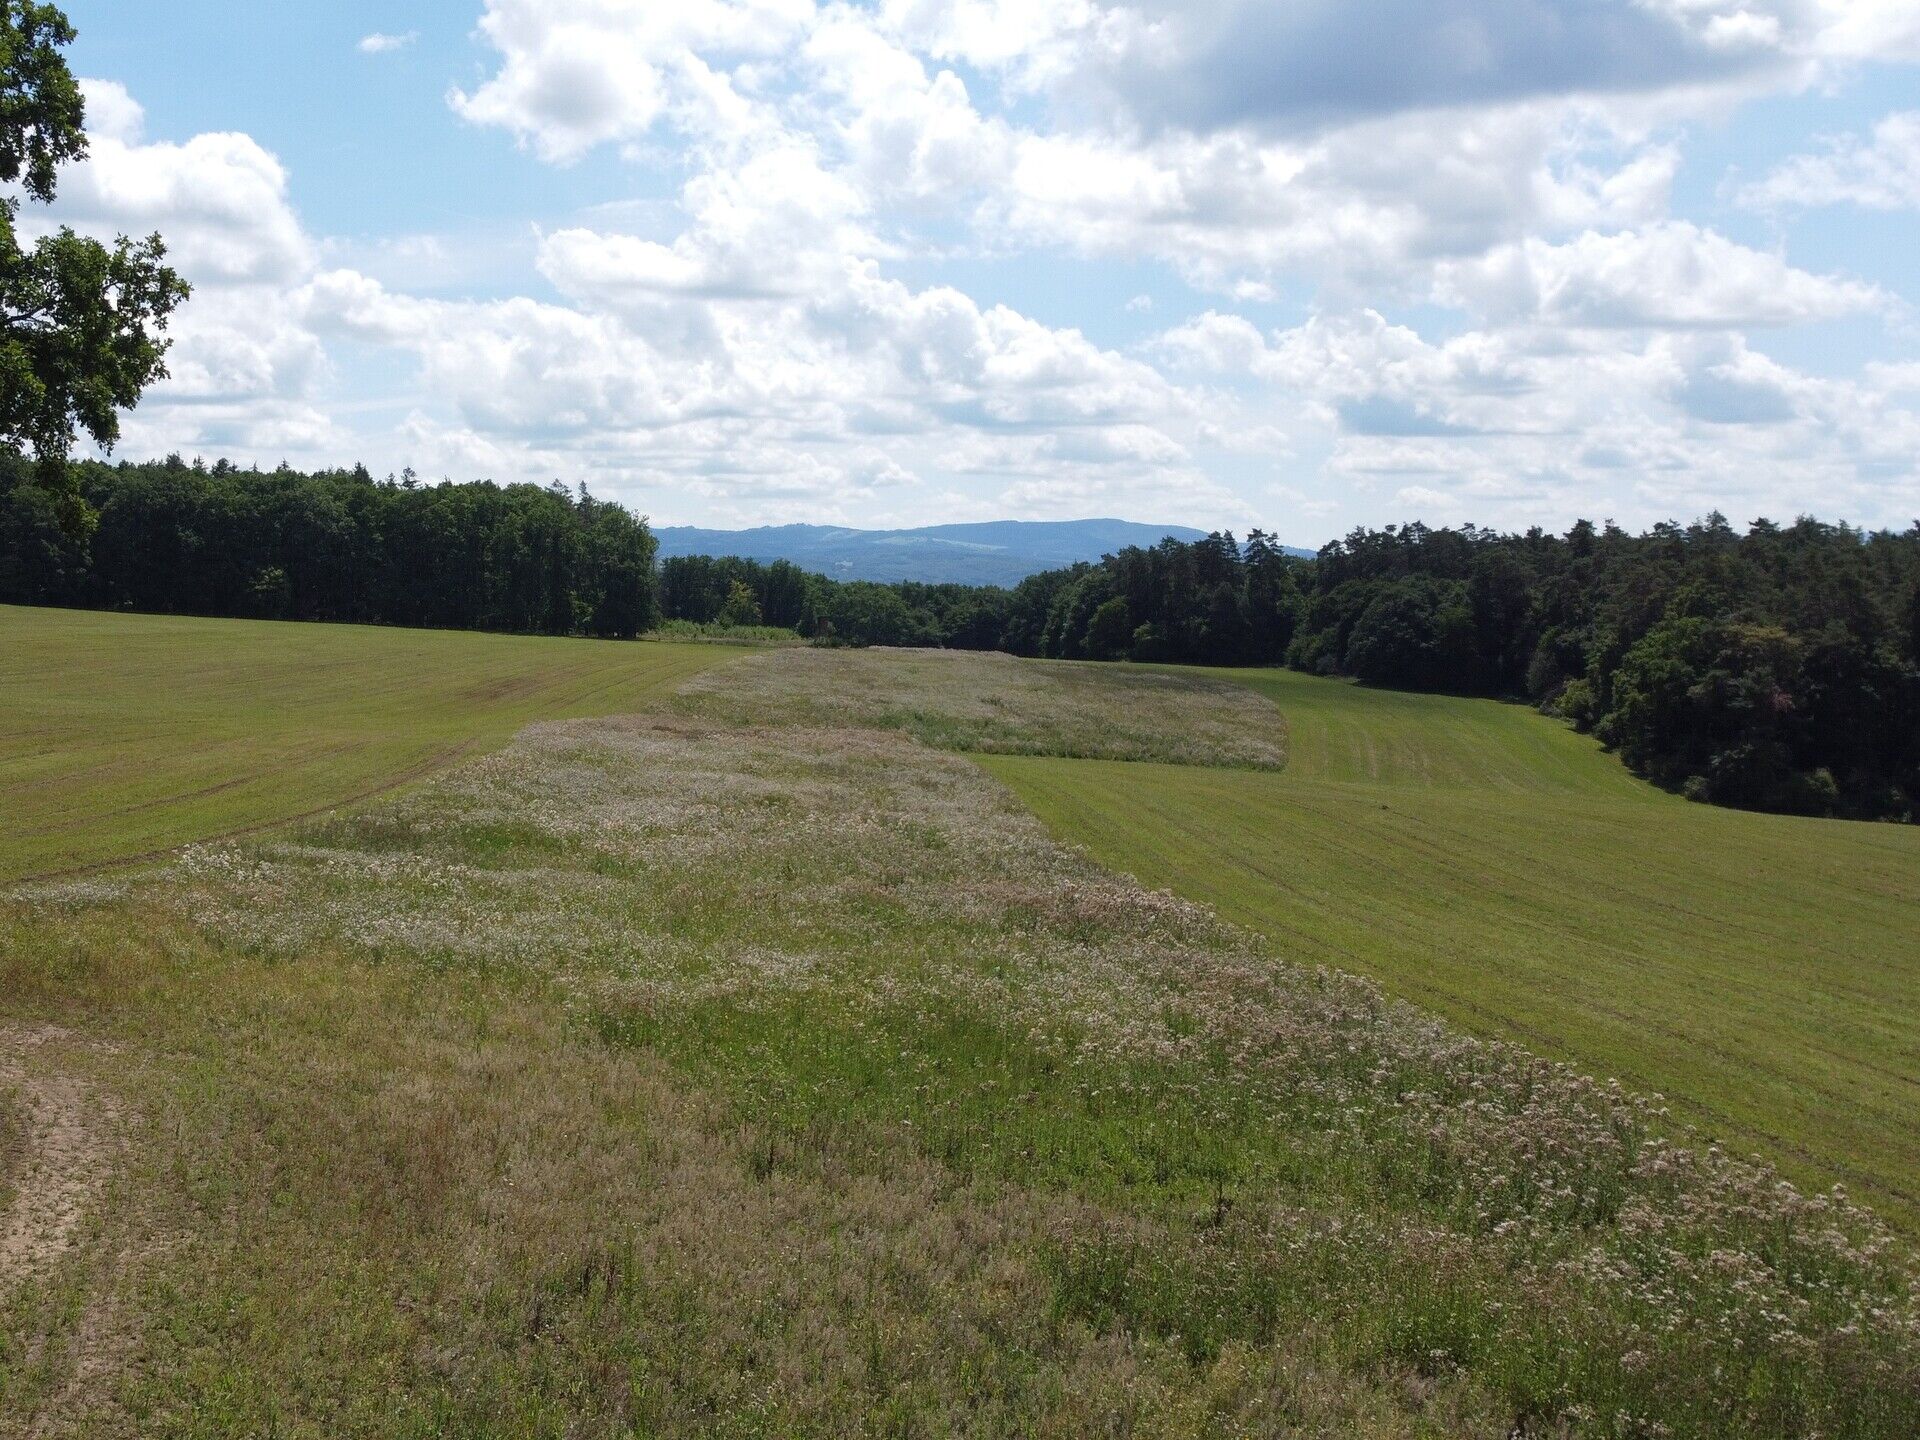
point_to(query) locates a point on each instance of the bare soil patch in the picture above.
(54, 1150)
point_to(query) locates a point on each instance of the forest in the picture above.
(1774, 669)
(193, 539)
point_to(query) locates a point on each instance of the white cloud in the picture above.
(381, 43)
(1250, 62)
(1031, 39)
(1896, 378)
(244, 371)
(856, 371)
(219, 199)
(1365, 206)
(776, 223)
(229, 347)
(1878, 30)
(1227, 203)
(1878, 174)
(1522, 426)
(1672, 275)
(512, 367)
(581, 73)
(112, 114)
(1215, 342)
(907, 135)
(1235, 141)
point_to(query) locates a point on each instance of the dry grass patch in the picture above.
(61, 1143)
(960, 700)
(379, 1201)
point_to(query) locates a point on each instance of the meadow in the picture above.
(1758, 971)
(750, 1065)
(126, 735)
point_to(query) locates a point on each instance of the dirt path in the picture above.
(66, 1152)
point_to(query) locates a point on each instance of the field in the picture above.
(1760, 972)
(757, 1064)
(123, 735)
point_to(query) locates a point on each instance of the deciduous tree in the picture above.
(81, 323)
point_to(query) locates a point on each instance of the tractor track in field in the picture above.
(432, 765)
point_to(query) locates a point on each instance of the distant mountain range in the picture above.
(993, 552)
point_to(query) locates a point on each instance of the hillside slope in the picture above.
(754, 1065)
(125, 734)
(1759, 971)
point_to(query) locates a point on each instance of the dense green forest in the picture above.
(1776, 669)
(336, 545)
(728, 590)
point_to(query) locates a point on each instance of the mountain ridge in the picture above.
(985, 552)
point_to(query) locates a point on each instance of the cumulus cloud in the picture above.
(1880, 30)
(1520, 426)
(855, 369)
(1234, 141)
(1368, 205)
(112, 113)
(580, 73)
(1204, 68)
(244, 369)
(220, 199)
(776, 223)
(1881, 173)
(1161, 64)
(1896, 378)
(907, 134)
(1228, 203)
(1673, 275)
(515, 367)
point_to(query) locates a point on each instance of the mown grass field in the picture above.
(1761, 972)
(123, 735)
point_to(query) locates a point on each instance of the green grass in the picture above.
(692, 1074)
(1761, 972)
(123, 735)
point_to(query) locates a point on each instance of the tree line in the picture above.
(730, 591)
(1776, 669)
(334, 545)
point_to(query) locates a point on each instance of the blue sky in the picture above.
(748, 261)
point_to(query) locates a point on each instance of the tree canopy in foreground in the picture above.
(81, 323)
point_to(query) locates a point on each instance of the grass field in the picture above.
(122, 735)
(1763, 973)
(748, 1066)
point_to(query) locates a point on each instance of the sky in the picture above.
(1231, 263)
